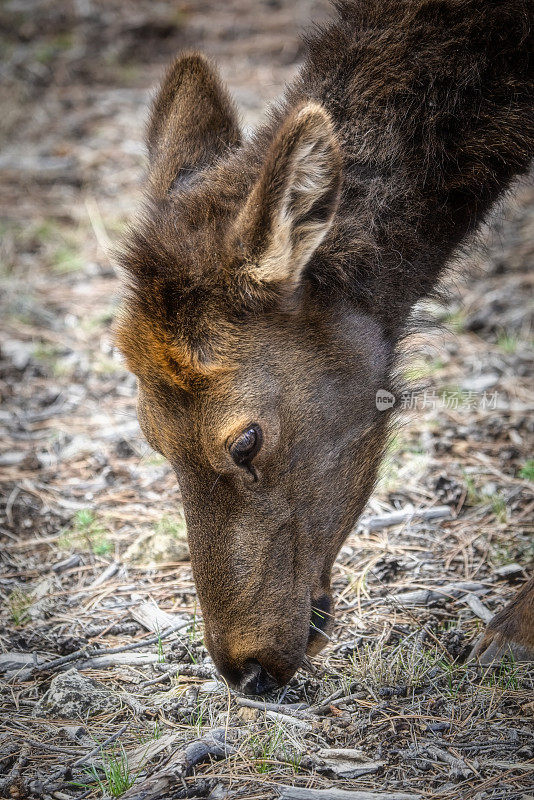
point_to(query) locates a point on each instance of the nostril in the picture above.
(256, 679)
(320, 624)
(321, 615)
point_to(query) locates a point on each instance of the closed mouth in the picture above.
(256, 680)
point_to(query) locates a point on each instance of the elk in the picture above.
(269, 281)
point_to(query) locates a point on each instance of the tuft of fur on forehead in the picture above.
(170, 322)
(186, 296)
(155, 354)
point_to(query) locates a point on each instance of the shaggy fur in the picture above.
(269, 282)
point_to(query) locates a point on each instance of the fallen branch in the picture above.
(423, 597)
(212, 745)
(14, 772)
(11, 662)
(522, 766)
(323, 707)
(67, 563)
(119, 660)
(104, 576)
(154, 681)
(296, 709)
(301, 793)
(202, 671)
(406, 515)
(290, 720)
(98, 749)
(89, 654)
(459, 769)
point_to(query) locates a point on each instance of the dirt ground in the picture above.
(96, 590)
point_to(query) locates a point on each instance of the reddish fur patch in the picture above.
(151, 352)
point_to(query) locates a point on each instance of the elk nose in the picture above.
(255, 679)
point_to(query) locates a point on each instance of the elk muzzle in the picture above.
(257, 653)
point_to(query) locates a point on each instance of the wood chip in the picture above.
(478, 607)
(347, 763)
(154, 619)
(148, 750)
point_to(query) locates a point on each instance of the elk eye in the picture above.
(247, 445)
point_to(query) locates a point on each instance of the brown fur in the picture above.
(515, 622)
(269, 282)
(511, 629)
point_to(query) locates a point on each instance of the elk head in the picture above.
(256, 381)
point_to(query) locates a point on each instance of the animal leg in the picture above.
(510, 631)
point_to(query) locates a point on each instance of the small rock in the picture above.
(158, 547)
(480, 383)
(73, 696)
(247, 714)
(219, 792)
(19, 353)
(124, 449)
(509, 571)
(75, 733)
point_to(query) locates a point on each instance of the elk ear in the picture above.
(193, 121)
(292, 205)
